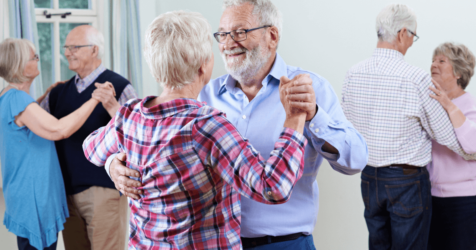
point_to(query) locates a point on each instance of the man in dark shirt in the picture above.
(98, 213)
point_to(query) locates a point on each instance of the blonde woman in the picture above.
(193, 161)
(33, 186)
(453, 179)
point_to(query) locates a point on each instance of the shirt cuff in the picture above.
(294, 136)
(108, 163)
(319, 124)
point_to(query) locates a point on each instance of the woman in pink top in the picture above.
(453, 179)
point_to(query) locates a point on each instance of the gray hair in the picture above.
(95, 37)
(14, 55)
(265, 11)
(176, 45)
(462, 60)
(393, 18)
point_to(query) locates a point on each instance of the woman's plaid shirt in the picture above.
(194, 164)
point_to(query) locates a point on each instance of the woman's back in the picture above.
(32, 182)
(192, 162)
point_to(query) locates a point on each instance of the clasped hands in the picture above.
(105, 93)
(297, 96)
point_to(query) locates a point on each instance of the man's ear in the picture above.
(274, 37)
(401, 35)
(95, 50)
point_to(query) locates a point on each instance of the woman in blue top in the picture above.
(33, 188)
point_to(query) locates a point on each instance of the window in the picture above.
(52, 32)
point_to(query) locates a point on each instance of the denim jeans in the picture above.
(397, 207)
(453, 223)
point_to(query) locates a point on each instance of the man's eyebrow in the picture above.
(234, 27)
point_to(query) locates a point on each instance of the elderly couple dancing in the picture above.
(189, 159)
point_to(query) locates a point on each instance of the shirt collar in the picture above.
(278, 70)
(91, 77)
(169, 108)
(390, 53)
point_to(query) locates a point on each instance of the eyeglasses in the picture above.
(74, 48)
(238, 35)
(35, 58)
(415, 37)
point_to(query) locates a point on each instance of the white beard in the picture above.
(245, 71)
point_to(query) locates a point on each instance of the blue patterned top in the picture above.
(33, 186)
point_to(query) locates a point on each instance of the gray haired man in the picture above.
(98, 214)
(388, 101)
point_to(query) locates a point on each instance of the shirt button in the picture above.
(244, 116)
(269, 193)
(316, 130)
(312, 125)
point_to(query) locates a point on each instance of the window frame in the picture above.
(77, 16)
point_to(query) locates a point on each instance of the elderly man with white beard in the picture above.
(248, 37)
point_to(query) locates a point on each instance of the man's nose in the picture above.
(229, 42)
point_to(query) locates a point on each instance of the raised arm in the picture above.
(464, 125)
(220, 146)
(47, 126)
(437, 123)
(327, 129)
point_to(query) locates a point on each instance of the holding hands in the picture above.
(295, 117)
(106, 94)
(300, 94)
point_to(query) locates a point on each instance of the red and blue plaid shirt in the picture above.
(193, 165)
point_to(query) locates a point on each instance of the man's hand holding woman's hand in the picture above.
(295, 116)
(106, 94)
(300, 94)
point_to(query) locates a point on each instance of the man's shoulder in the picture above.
(114, 77)
(413, 72)
(60, 87)
(378, 66)
(317, 80)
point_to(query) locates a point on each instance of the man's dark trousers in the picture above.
(397, 207)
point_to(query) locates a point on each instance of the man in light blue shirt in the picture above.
(248, 37)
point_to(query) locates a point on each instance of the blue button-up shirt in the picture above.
(261, 121)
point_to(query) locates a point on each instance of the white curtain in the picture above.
(22, 23)
(126, 54)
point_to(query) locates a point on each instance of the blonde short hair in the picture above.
(14, 55)
(462, 60)
(176, 45)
